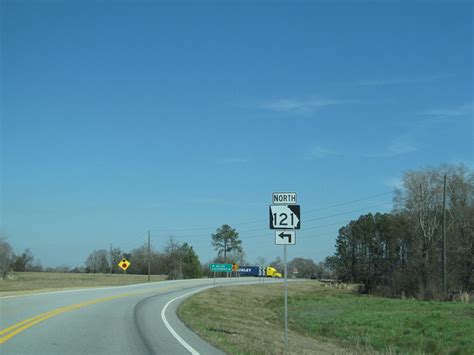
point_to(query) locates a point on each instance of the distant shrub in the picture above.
(465, 297)
(383, 291)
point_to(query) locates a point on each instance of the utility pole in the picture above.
(111, 259)
(225, 254)
(225, 250)
(149, 255)
(445, 286)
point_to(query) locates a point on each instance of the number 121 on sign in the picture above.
(285, 217)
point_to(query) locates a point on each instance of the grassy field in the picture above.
(26, 282)
(249, 320)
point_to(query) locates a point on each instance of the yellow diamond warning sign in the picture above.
(124, 264)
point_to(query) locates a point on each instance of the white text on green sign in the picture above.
(221, 267)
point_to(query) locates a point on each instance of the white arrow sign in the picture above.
(285, 237)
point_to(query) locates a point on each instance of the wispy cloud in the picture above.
(319, 152)
(466, 162)
(381, 82)
(218, 201)
(207, 201)
(459, 111)
(398, 146)
(399, 80)
(233, 161)
(301, 105)
(394, 182)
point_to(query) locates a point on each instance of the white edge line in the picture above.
(170, 328)
(104, 288)
(97, 288)
(75, 290)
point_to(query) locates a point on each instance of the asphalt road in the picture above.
(134, 319)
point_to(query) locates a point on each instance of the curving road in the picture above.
(134, 319)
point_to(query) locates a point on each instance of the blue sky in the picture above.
(119, 117)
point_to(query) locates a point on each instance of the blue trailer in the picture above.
(250, 271)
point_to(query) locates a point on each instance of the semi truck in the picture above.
(258, 271)
(272, 272)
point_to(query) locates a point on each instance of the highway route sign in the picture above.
(220, 267)
(285, 217)
(124, 264)
(285, 237)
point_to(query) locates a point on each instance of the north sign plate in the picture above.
(284, 198)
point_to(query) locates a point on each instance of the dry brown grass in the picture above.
(241, 321)
(29, 282)
(249, 320)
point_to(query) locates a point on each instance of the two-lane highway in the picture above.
(134, 319)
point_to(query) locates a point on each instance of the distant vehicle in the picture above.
(255, 271)
(313, 277)
(249, 271)
(272, 272)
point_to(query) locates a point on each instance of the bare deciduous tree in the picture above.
(98, 261)
(422, 198)
(461, 227)
(403, 252)
(6, 257)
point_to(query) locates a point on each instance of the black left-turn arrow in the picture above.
(283, 235)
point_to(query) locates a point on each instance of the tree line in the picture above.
(394, 253)
(177, 261)
(229, 249)
(402, 252)
(9, 261)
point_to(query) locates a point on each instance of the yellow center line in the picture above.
(27, 323)
(60, 310)
(6, 330)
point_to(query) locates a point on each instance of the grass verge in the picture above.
(249, 320)
(26, 282)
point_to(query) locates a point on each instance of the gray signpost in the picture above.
(220, 268)
(285, 217)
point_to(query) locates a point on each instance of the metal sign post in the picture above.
(285, 217)
(286, 299)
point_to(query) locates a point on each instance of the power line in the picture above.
(264, 221)
(325, 217)
(200, 237)
(349, 202)
(348, 212)
(312, 219)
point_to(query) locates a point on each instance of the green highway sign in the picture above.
(220, 267)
